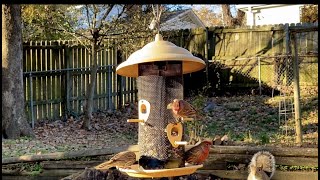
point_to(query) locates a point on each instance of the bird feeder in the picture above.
(159, 67)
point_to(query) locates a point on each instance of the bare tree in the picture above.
(126, 23)
(98, 21)
(309, 13)
(208, 15)
(99, 28)
(14, 121)
(229, 20)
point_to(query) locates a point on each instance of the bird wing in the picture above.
(186, 109)
(193, 153)
(197, 154)
(120, 159)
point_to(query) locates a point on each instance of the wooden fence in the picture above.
(255, 52)
(56, 73)
(226, 162)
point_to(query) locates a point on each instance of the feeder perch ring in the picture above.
(135, 171)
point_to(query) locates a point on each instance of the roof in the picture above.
(181, 19)
(244, 7)
(171, 14)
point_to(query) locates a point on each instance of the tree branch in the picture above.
(94, 21)
(74, 34)
(105, 15)
(88, 16)
(115, 22)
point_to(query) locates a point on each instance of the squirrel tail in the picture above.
(265, 160)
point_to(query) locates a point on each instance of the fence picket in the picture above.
(61, 74)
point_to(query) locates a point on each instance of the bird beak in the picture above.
(169, 106)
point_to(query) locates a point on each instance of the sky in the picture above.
(216, 8)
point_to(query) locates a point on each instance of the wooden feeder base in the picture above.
(135, 171)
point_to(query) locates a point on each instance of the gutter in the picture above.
(257, 7)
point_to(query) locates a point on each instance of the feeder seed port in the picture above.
(181, 142)
(187, 119)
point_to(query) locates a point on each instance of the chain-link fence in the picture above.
(273, 76)
(273, 72)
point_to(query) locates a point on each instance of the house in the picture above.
(264, 14)
(181, 19)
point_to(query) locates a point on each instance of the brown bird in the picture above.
(182, 109)
(122, 159)
(217, 140)
(198, 154)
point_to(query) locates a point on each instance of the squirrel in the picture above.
(262, 166)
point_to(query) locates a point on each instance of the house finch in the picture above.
(198, 154)
(122, 159)
(182, 109)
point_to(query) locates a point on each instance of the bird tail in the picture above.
(103, 166)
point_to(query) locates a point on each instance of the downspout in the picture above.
(250, 16)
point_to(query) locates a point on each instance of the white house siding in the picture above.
(278, 15)
(269, 14)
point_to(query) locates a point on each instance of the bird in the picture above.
(122, 159)
(172, 162)
(181, 109)
(217, 140)
(198, 154)
(224, 140)
(148, 162)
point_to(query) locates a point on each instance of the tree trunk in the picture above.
(14, 121)
(226, 14)
(93, 76)
(229, 20)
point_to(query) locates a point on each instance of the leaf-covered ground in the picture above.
(255, 120)
(107, 131)
(245, 119)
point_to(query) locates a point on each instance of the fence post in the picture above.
(206, 54)
(288, 52)
(68, 83)
(31, 101)
(109, 86)
(296, 87)
(259, 74)
(120, 80)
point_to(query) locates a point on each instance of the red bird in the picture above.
(198, 154)
(182, 109)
